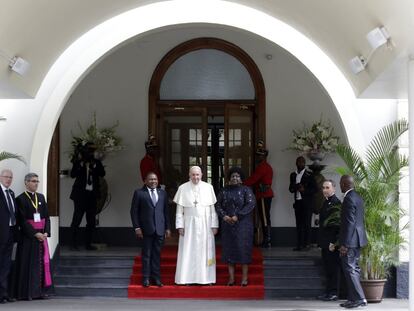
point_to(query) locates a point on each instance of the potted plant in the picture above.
(377, 177)
(315, 141)
(105, 140)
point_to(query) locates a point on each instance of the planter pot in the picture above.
(316, 156)
(373, 290)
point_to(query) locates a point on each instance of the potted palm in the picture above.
(377, 177)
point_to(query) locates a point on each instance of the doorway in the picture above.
(212, 136)
(206, 108)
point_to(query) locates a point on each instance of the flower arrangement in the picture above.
(319, 137)
(105, 140)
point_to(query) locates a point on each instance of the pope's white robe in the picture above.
(196, 260)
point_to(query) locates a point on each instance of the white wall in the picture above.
(117, 90)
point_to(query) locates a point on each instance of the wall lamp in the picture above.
(16, 63)
(376, 38)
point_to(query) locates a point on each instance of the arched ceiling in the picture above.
(39, 31)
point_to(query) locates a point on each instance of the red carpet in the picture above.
(255, 289)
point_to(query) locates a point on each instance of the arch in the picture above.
(78, 59)
(209, 43)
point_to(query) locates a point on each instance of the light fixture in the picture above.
(376, 38)
(357, 64)
(16, 63)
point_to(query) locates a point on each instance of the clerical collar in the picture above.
(330, 197)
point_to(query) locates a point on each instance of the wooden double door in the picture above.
(212, 136)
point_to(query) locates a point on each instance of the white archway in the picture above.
(78, 59)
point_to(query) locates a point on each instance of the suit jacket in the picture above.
(79, 172)
(151, 219)
(308, 182)
(328, 233)
(26, 211)
(5, 216)
(352, 233)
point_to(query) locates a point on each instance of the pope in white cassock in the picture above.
(197, 223)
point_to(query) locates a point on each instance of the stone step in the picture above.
(97, 261)
(296, 293)
(73, 280)
(91, 270)
(294, 272)
(91, 291)
(292, 282)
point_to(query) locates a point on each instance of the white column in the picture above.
(411, 170)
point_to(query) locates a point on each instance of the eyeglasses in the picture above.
(8, 177)
(34, 181)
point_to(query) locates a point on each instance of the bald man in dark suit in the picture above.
(352, 237)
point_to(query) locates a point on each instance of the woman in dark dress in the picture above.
(235, 205)
(34, 278)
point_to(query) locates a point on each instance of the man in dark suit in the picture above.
(303, 186)
(87, 170)
(352, 237)
(149, 215)
(8, 232)
(329, 223)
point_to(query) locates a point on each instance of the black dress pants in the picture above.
(151, 256)
(85, 204)
(6, 250)
(352, 274)
(303, 215)
(331, 264)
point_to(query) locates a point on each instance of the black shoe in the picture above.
(146, 283)
(305, 249)
(330, 298)
(158, 283)
(3, 300)
(356, 304)
(297, 249)
(74, 248)
(244, 283)
(91, 247)
(344, 304)
(230, 283)
(10, 299)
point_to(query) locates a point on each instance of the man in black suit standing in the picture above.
(303, 186)
(149, 215)
(86, 170)
(352, 237)
(8, 232)
(329, 224)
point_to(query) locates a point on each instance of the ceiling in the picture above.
(40, 31)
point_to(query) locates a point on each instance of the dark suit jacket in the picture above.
(352, 233)
(5, 216)
(26, 212)
(79, 172)
(308, 182)
(328, 233)
(151, 219)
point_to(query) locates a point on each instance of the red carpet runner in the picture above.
(255, 289)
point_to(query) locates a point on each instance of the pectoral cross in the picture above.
(195, 203)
